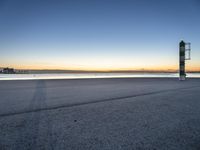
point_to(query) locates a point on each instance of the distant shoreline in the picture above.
(52, 71)
(85, 72)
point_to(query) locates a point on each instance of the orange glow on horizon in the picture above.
(114, 68)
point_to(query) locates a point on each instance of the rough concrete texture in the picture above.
(138, 114)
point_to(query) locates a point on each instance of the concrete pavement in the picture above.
(123, 113)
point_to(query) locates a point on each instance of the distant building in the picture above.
(8, 70)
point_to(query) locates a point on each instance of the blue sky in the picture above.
(98, 35)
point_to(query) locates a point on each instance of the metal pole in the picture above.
(182, 74)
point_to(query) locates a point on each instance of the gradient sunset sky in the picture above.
(98, 34)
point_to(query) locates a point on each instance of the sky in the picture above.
(98, 34)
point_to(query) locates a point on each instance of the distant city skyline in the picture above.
(103, 35)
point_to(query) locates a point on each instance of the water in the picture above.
(90, 75)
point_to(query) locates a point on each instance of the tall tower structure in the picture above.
(183, 47)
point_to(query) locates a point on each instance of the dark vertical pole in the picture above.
(182, 74)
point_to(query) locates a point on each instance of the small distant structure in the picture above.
(8, 70)
(183, 48)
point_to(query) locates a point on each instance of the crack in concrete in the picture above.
(93, 102)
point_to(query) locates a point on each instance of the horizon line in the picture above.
(102, 70)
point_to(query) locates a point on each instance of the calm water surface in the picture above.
(89, 75)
